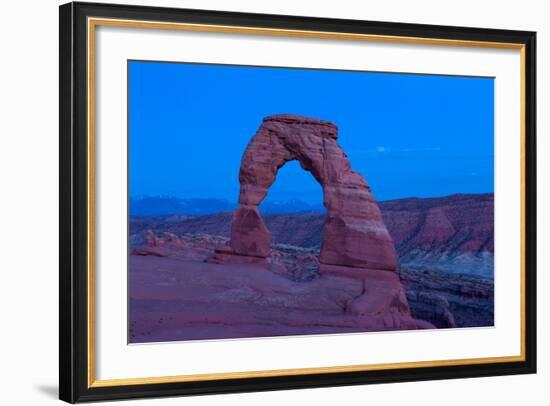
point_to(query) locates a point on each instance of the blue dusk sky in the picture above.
(409, 135)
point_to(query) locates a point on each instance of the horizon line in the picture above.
(168, 196)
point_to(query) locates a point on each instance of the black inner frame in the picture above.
(73, 289)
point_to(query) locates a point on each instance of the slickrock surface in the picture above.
(176, 295)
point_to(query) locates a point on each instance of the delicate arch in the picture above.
(354, 233)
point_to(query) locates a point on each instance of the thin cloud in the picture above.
(381, 149)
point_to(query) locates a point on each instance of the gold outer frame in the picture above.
(92, 23)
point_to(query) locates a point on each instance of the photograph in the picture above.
(255, 201)
(274, 203)
(271, 201)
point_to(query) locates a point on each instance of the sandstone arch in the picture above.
(354, 233)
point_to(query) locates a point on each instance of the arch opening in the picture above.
(294, 190)
(293, 211)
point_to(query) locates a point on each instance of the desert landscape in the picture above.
(247, 270)
(445, 254)
(362, 203)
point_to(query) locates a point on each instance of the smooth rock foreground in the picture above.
(178, 296)
(177, 293)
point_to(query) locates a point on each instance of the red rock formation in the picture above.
(160, 246)
(249, 234)
(451, 234)
(173, 299)
(354, 234)
(448, 234)
(367, 300)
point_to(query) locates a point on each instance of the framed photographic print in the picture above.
(255, 202)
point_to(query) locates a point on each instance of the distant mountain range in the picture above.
(161, 206)
(451, 234)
